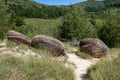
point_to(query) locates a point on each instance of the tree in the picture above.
(110, 32)
(4, 19)
(8, 20)
(75, 25)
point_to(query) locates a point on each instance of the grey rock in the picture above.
(18, 37)
(55, 46)
(94, 46)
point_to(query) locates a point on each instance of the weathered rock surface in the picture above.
(94, 46)
(18, 37)
(55, 46)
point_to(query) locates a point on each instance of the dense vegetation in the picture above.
(76, 25)
(31, 9)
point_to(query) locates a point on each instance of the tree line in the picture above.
(104, 24)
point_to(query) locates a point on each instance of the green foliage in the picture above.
(4, 19)
(76, 25)
(37, 69)
(94, 6)
(109, 33)
(113, 3)
(31, 9)
(107, 69)
(8, 20)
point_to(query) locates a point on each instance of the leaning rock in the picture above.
(55, 46)
(94, 46)
(17, 37)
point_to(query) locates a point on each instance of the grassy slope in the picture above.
(23, 68)
(43, 26)
(108, 68)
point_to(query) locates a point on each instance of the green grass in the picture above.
(83, 55)
(36, 26)
(12, 68)
(107, 69)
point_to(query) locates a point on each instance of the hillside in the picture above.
(36, 26)
(91, 6)
(94, 5)
(32, 9)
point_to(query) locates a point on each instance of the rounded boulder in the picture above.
(18, 37)
(53, 45)
(94, 46)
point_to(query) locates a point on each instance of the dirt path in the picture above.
(81, 65)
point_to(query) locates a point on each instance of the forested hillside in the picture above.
(31, 9)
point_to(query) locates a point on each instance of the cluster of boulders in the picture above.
(53, 45)
(94, 46)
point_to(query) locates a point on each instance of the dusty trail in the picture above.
(81, 65)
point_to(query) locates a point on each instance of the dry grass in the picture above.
(41, 68)
(12, 68)
(108, 68)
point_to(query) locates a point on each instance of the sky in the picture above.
(58, 2)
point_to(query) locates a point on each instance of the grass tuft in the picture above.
(107, 69)
(83, 55)
(38, 69)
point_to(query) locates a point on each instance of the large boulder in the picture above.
(94, 46)
(53, 45)
(18, 37)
